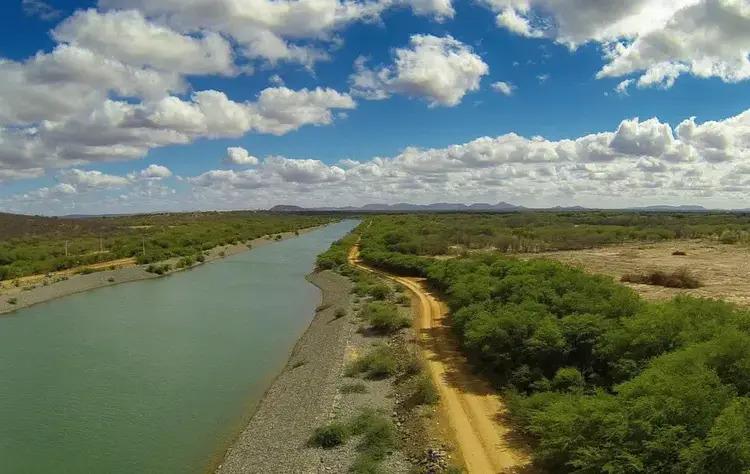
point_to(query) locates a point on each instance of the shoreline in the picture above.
(26, 297)
(301, 396)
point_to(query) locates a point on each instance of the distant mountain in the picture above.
(682, 208)
(406, 207)
(482, 207)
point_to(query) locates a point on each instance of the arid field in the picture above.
(722, 269)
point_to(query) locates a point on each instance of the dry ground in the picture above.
(724, 270)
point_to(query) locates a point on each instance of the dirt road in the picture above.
(472, 408)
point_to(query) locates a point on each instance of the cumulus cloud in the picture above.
(93, 179)
(439, 69)
(654, 39)
(641, 159)
(276, 30)
(640, 162)
(117, 130)
(239, 156)
(505, 88)
(151, 173)
(132, 39)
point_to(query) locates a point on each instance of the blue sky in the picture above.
(417, 143)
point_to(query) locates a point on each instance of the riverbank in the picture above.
(48, 289)
(303, 396)
(316, 388)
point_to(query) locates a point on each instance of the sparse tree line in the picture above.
(69, 243)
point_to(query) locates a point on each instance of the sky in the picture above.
(120, 106)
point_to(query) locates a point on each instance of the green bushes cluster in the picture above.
(603, 381)
(378, 363)
(377, 438)
(159, 269)
(337, 254)
(384, 317)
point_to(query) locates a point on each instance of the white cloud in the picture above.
(655, 39)
(93, 179)
(439, 69)
(640, 162)
(130, 38)
(505, 88)
(151, 173)
(117, 130)
(622, 87)
(40, 9)
(276, 30)
(239, 156)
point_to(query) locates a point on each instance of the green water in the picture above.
(153, 376)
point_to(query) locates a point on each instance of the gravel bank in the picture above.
(13, 299)
(303, 396)
(307, 395)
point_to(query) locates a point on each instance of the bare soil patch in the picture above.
(722, 269)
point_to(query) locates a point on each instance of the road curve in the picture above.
(470, 405)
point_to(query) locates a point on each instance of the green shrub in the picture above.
(330, 435)
(339, 313)
(378, 363)
(13, 301)
(380, 291)
(356, 387)
(424, 391)
(378, 440)
(384, 317)
(568, 379)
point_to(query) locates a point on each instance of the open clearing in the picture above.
(722, 269)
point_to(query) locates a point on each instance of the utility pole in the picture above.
(66, 248)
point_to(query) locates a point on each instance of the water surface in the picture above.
(153, 376)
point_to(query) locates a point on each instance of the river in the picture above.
(153, 376)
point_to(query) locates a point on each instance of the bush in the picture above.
(424, 391)
(568, 379)
(380, 291)
(384, 317)
(339, 313)
(13, 301)
(356, 387)
(378, 440)
(159, 269)
(379, 363)
(681, 278)
(679, 253)
(330, 435)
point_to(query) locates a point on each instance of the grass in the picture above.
(681, 278)
(379, 363)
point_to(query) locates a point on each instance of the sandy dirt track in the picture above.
(472, 408)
